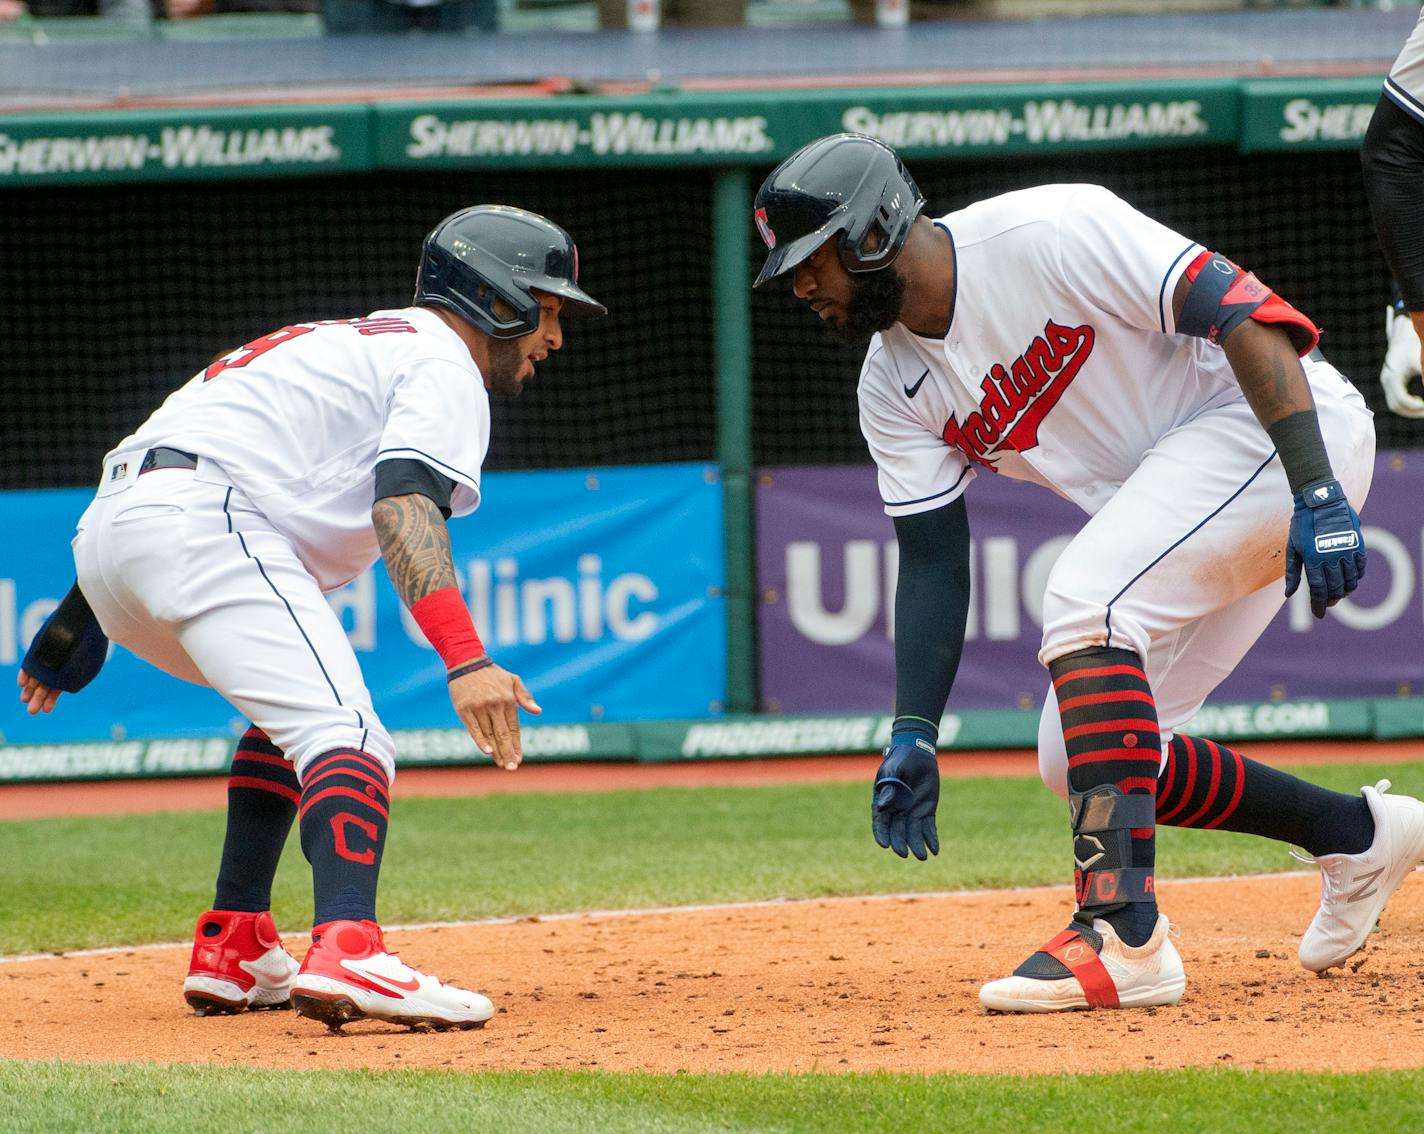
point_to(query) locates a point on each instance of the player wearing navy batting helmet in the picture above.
(278, 473)
(1057, 335)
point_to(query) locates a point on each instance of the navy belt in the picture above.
(163, 457)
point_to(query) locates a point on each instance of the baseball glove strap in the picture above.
(1077, 955)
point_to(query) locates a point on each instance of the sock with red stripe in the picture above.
(1110, 731)
(262, 795)
(345, 808)
(1212, 787)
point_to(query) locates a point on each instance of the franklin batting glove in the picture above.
(1325, 541)
(906, 793)
(1401, 365)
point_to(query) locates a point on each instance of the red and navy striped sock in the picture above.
(1212, 787)
(1110, 731)
(344, 812)
(262, 795)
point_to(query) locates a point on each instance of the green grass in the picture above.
(73, 883)
(59, 1097)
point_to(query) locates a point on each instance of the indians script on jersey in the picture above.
(1018, 396)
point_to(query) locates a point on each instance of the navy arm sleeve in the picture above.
(931, 608)
(1393, 161)
(401, 476)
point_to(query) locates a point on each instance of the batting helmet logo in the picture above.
(768, 237)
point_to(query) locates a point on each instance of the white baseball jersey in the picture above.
(1405, 84)
(1061, 365)
(298, 420)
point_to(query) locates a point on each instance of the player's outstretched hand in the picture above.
(906, 793)
(37, 696)
(64, 656)
(487, 702)
(1326, 543)
(1402, 361)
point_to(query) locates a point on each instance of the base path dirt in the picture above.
(855, 984)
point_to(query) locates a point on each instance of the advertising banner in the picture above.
(1305, 114)
(568, 576)
(186, 143)
(675, 129)
(827, 563)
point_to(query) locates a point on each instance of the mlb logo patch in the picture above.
(119, 471)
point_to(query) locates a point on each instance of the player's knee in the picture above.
(1074, 619)
(371, 738)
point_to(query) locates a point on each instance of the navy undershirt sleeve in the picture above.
(1393, 161)
(401, 476)
(931, 608)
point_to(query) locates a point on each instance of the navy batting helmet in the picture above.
(846, 184)
(496, 251)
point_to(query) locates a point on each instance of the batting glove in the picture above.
(906, 793)
(70, 649)
(1401, 365)
(1325, 541)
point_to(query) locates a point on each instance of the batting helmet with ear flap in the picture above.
(848, 185)
(490, 252)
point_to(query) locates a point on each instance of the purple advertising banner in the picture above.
(827, 561)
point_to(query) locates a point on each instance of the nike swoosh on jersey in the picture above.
(911, 391)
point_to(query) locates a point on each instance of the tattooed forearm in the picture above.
(415, 544)
(1268, 371)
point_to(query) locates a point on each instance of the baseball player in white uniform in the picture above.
(275, 475)
(1393, 160)
(1056, 335)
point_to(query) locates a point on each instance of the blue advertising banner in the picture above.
(568, 576)
(826, 572)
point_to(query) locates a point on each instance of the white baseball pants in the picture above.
(189, 576)
(1184, 564)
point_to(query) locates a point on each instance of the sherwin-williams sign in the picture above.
(673, 128)
(568, 575)
(827, 563)
(1295, 114)
(153, 145)
(710, 129)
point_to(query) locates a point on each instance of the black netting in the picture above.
(1299, 221)
(112, 296)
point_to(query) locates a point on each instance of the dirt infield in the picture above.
(885, 983)
(860, 984)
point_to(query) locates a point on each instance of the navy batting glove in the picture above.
(70, 648)
(906, 793)
(1325, 542)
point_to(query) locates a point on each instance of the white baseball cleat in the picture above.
(238, 963)
(1355, 887)
(348, 975)
(1104, 973)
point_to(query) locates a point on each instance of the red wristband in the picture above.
(445, 620)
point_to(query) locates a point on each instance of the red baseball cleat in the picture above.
(238, 963)
(348, 975)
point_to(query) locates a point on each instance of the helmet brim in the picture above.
(786, 257)
(578, 304)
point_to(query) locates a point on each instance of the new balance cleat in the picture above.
(1355, 887)
(1101, 972)
(348, 975)
(238, 963)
